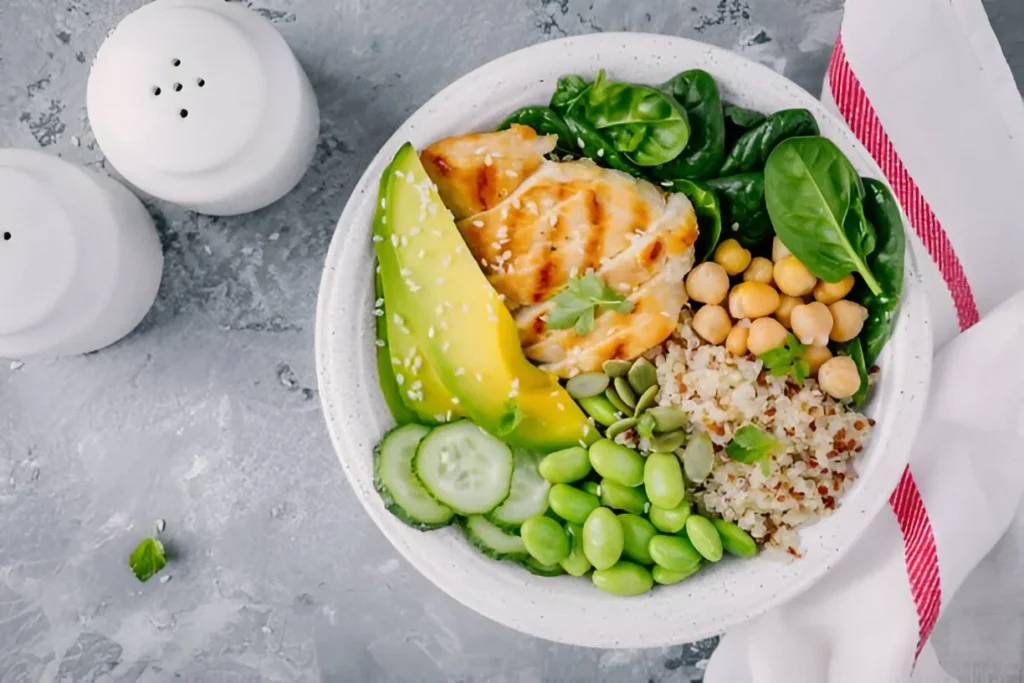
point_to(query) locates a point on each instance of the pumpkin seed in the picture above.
(666, 443)
(620, 426)
(614, 399)
(625, 392)
(646, 400)
(642, 375)
(616, 368)
(667, 418)
(699, 457)
(586, 385)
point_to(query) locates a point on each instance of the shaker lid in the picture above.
(176, 88)
(37, 250)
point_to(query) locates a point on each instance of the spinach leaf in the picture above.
(886, 264)
(645, 124)
(809, 188)
(753, 147)
(709, 215)
(742, 117)
(697, 92)
(545, 122)
(590, 143)
(744, 213)
(855, 351)
(568, 93)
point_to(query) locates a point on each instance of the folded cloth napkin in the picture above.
(925, 87)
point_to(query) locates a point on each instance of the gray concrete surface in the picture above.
(208, 416)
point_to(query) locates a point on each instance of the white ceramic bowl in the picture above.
(567, 609)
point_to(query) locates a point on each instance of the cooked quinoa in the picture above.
(721, 392)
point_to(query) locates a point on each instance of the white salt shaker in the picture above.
(80, 259)
(202, 103)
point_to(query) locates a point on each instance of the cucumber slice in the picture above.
(402, 493)
(493, 541)
(464, 467)
(535, 567)
(528, 496)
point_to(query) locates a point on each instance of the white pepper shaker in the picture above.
(80, 258)
(202, 103)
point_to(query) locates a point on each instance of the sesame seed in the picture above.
(438, 310)
(478, 224)
(383, 202)
(405, 330)
(579, 142)
(404, 241)
(411, 395)
(480, 150)
(448, 305)
(439, 418)
(488, 161)
(414, 230)
(430, 332)
(397, 319)
(511, 174)
(553, 220)
(532, 207)
(378, 238)
(383, 220)
(380, 343)
(666, 183)
(394, 240)
(583, 443)
(416, 386)
(574, 271)
(458, 248)
(561, 406)
(435, 233)
(404, 272)
(465, 308)
(586, 430)
(448, 415)
(515, 203)
(378, 312)
(600, 152)
(504, 213)
(459, 372)
(483, 262)
(432, 209)
(444, 325)
(479, 377)
(440, 280)
(555, 392)
(506, 255)
(400, 378)
(421, 253)
(455, 400)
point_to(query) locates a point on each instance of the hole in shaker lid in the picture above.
(200, 82)
(183, 113)
(156, 90)
(176, 62)
(177, 87)
(7, 237)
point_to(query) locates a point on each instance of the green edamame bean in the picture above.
(699, 457)
(704, 536)
(646, 400)
(619, 497)
(619, 404)
(616, 368)
(668, 443)
(667, 418)
(624, 578)
(545, 540)
(642, 376)
(637, 532)
(572, 504)
(577, 563)
(603, 539)
(666, 577)
(591, 487)
(673, 552)
(599, 408)
(620, 426)
(565, 466)
(663, 480)
(616, 462)
(670, 520)
(735, 540)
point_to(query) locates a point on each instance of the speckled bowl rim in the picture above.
(565, 609)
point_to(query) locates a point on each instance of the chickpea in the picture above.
(838, 377)
(731, 255)
(831, 292)
(812, 323)
(736, 342)
(815, 355)
(848, 320)
(752, 300)
(712, 323)
(779, 250)
(792, 277)
(759, 270)
(765, 334)
(785, 310)
(708, 283)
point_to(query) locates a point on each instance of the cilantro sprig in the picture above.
(752, 445)
(787, 360)
(575, 306)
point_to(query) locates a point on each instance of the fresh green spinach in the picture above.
(590, 143)
(886, 263)
(568, 93)
(742, 117)
(752, 149)
(809, 188)
(709, 215)
(744, 213)
(643, 123)
(545, 122)
(696, 91)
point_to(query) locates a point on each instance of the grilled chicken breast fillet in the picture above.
(534, 224)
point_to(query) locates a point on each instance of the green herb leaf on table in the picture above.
(147, 559)
(786, 360)
(575, 305)
(510, 418)
(752, 445)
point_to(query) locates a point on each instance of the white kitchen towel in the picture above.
(925, 87)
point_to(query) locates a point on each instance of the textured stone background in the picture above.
(208, 415)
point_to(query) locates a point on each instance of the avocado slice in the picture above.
(411, 388)
(470, 339)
